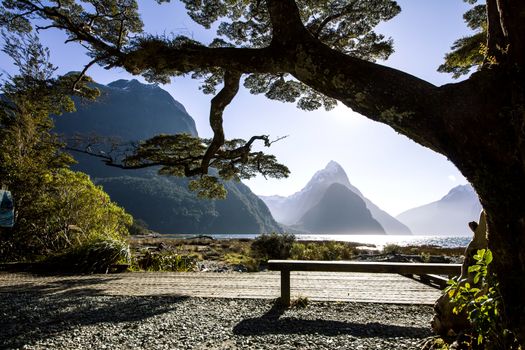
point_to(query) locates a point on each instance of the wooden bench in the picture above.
(407, 269)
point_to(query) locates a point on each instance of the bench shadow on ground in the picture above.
(37, 311)
(274, 321)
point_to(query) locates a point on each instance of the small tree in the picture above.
(273, 246)
(55, 207)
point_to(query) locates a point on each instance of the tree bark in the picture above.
(512, 22)
(507, 241)
(486, 141)
(502, 195)
(445, 321)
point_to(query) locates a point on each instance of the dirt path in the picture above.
(360, 287)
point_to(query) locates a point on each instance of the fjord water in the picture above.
(378, 240)
(402, 240)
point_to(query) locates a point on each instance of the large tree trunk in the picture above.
(495, 165)
(445, 321)
(506, 234)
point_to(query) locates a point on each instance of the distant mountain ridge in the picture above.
(448, 216)
(133, 111)
(289, 210)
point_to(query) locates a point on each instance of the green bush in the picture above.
(251, 264)
(322, 251)
(166, 261)
(272, 246)
(482, 303)
(68, 213)
(93, 256)
(392, 249)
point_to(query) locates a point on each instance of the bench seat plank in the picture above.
(365, 266)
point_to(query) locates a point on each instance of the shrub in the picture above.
(392, 249)
(322, 251)
(482, 303)
(93, 256)
(273, 246)
(250, 263)
(69, 213)
(166, 261)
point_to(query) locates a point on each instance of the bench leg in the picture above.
(285, 287)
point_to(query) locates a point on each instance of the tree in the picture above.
(317, 52)
(56, 209)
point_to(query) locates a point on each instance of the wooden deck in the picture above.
(340, 286)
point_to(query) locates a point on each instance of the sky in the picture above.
(389, 169)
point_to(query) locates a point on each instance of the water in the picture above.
(378, 240)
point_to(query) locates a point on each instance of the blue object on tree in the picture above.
(7, 209)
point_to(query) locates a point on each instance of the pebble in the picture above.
(63, 321)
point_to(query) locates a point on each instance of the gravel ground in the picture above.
(80, 321)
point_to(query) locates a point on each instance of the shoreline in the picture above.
(205, 253)
(455, 240)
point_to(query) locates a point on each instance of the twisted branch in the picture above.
(218, 104)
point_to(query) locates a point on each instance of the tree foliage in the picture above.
(470, 51)
(55, 207)
(346, 26)
(481, 301)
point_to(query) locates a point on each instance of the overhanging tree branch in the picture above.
(380, 93)
(218, 104)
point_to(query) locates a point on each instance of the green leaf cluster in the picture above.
(481, 301)
(345, 25)
(181, 154)
(166, 261)
(470, 51)
(110, 23)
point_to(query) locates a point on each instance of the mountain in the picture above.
(448, 216)
(340, 210)
(167, 206)
(289, 210)
(130, 111)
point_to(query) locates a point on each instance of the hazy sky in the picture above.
(388, 168)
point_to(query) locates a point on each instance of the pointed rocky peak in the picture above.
(334, 167)
(340, 211)
(289, 210)
(332, 173)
